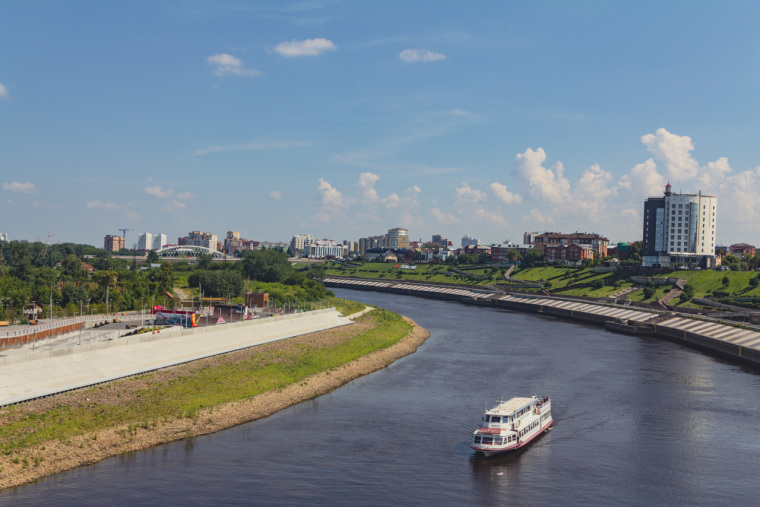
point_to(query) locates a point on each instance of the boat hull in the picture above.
(493, 450)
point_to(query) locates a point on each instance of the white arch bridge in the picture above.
(190, 251)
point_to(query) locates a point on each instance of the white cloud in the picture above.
(308, 47)
(467, 196)
(177, 204)
(331, 197)
(409, 201)
(276, 195)
(229, 65)
(592, 191)
(367, 185)
(544, 184)
(420, 55)
(537, 215)
(674, 152)
(442, 217)
(20, 188)
(3, 92)
(502, 194)
(159, 191)
(185, 196)
(103, 205)
(644, 179)
(714, 173)
(741, 198)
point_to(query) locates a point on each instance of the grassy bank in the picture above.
(181, 401)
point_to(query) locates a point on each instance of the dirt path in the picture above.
(55, 456)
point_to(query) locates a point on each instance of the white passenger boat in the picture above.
(512, 424)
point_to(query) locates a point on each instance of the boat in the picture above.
(512, 424)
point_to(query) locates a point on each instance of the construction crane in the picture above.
(124, 233)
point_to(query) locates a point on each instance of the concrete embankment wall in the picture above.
(736, 343)
(29, 376)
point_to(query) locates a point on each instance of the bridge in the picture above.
(191, 251)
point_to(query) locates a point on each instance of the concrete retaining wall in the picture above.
(746, 349)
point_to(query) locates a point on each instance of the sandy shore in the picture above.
(55, 456)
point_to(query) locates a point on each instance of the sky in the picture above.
(343, 119)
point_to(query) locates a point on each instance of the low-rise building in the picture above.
(500, 253)
(549, 239)
(569, 253)
(740, 249)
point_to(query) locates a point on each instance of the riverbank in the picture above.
(41, 456)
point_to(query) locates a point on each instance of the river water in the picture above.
(638, 421)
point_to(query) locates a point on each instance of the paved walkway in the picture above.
(43, 372)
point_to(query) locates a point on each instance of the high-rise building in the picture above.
(679, 229)
(198, 238)
(3, 236)
(113, 243)
(159, 240)
(529, 237)
(372, 242)
(301, 242)
(145, 241)
(398, 237)
(468, 241)
(440, 240)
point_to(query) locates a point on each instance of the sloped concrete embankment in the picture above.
(28, 376)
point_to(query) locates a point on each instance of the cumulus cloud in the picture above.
(548, 185)
(331, 198)
(468, 196)
(502, 194)
(159, 191)
(103, 205)
(3, 92)
(308, 47)
(228, 65)
(276, 195)
(674, 152)
(644, 179)
(742, 197)
(20, 188)
(538, 216)
(442, 217)
(185, 196)
(420, 55)
(367, 185)
(592, 191)
(714, 173)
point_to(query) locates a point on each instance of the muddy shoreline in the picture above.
(55, 456)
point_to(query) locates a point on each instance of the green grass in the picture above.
(424, 273)
(207, 387)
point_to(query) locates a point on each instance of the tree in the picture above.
(532, 257)
(266, 265)
(513, 254)
(687, 294)
(152, 257)
(754, 282)
(484, 258)
(725, 281)
(205, 260)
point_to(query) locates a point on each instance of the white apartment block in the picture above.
(301, 242)
(679, 228)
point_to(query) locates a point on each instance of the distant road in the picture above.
(143, 258)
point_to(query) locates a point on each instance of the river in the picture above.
(638, 421)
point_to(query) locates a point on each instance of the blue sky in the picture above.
(342, 119)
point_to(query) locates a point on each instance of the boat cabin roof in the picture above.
(510, 406)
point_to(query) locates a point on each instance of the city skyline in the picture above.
(343, 120)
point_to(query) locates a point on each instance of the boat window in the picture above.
(495, 418)
(477, 440)
(487, 440)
